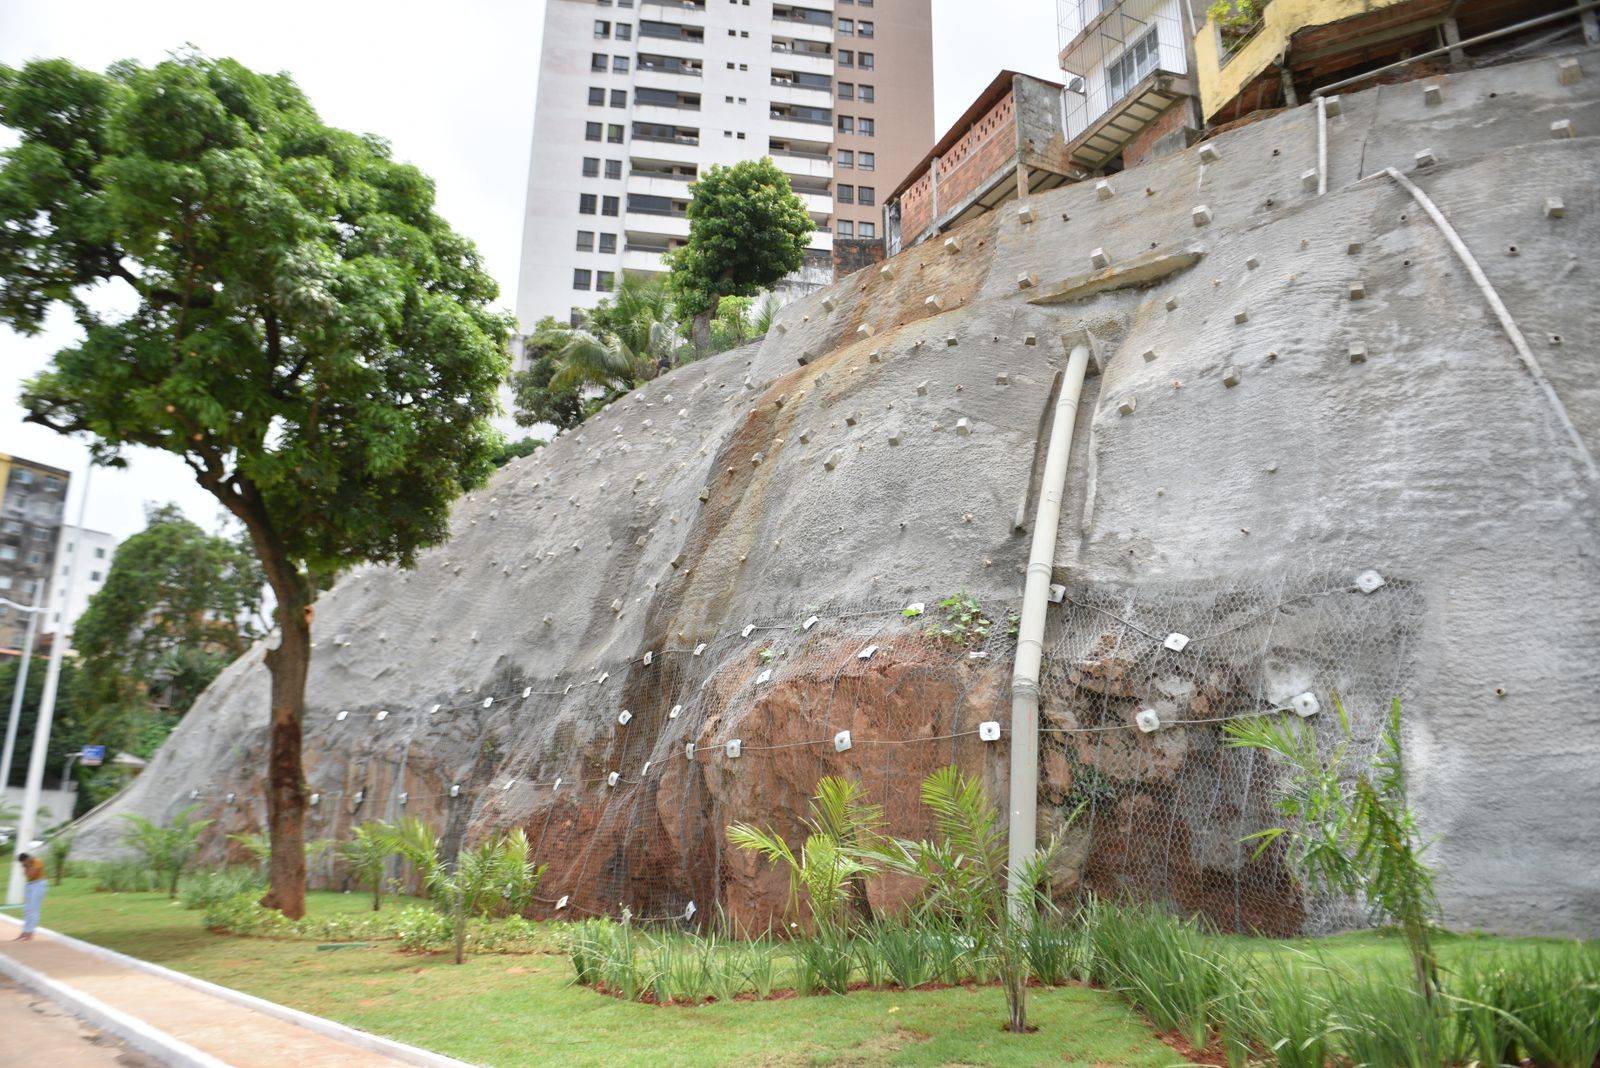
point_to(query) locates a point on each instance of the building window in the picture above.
(580, 278)
(847, 158)
(865, 127)
(609, 206)
(1123, 73)
(613, 168)
(619, 98)
(608, 242)
(867, 161)
(624, 31)
(846, 228)
(864, 29)
(866, 196)
(574, 317)
(597, 61)
(597, 96)
(591, 131)
(868, 230)
(586, 203)
(614, 133)
(847, 91)
(847, 27)
(847, 194)
(585, 240)
(602, 28)
(591, 166)
(99, 554)
(603, 281)
(847, 124)
(868, 94)
(619, 64)
(847, 58)
(865, 61)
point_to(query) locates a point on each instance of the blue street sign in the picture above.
(92, 755)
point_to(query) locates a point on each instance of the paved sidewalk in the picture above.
(210, 1024)
(38, 1031)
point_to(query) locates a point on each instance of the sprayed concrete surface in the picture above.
(827, 467)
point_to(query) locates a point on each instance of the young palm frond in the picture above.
(764, 314)
(367, 856)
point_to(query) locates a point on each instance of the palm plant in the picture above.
(1355, 840)
(834, 860)
(629, 339)
(418, 845)
(519, 876)
(259, 845)
(367, 855)
(167, 849)
(467, 888)
(966, 872)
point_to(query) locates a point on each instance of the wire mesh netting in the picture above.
(626, 776)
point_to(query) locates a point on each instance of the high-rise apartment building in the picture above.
(637, 97)
(33, 499)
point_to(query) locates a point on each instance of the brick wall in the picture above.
(1150, 142)
(964, 168)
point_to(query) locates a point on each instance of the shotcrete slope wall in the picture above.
(827, 472)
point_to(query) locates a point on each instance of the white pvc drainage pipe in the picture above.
(1530, 362)
(1024, 834)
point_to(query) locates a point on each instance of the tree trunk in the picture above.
(461, 930)
(377, 895)
(286, 800)
(288, 664)
(700, 330)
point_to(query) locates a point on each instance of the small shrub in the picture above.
(243, 915)
(824, 963)
(126, 876)
(1165, 965)
(421, 930)
(964, 622)
(200, 889)
(904, 951)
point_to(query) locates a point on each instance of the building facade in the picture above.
(33, 500)
(637, 97)
(93, 550)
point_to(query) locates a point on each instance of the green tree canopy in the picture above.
(177, 606)
(747, 229)
(536, 399)
(306, 333)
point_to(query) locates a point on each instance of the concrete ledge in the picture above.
(1143, 270)
(136, 1033)
(319, 1024)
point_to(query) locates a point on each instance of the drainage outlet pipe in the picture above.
(1024, 834)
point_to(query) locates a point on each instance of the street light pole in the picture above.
(28, 824)
(22, 683)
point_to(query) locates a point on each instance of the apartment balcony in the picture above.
(794, 130)
(649, 228)
(666, 72)
(801, 30)
(672, 48)
(805, 164)
(800, 58)
(671, 10)
(658, 186)
(821, 238)
(662, 115)
(643, 259)
(788, 92)
(817, 203)
(1129, 65)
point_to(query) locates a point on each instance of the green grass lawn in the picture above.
(522, 1009)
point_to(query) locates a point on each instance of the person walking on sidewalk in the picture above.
(32, 895)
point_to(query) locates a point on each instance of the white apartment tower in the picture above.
(637, 97)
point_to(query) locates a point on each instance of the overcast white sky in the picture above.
(451, 85)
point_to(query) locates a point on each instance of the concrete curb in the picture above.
(136, 1033)
(366, 1040)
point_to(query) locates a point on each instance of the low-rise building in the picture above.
(1267, 54)
(1006, 144)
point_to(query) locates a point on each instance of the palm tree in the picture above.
(167, 848)
(367, 856)
(629, 339)
(832, 865)
(966, 873)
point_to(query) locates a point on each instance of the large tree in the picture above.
(747, 229)
(177, 606)
(294, 321)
